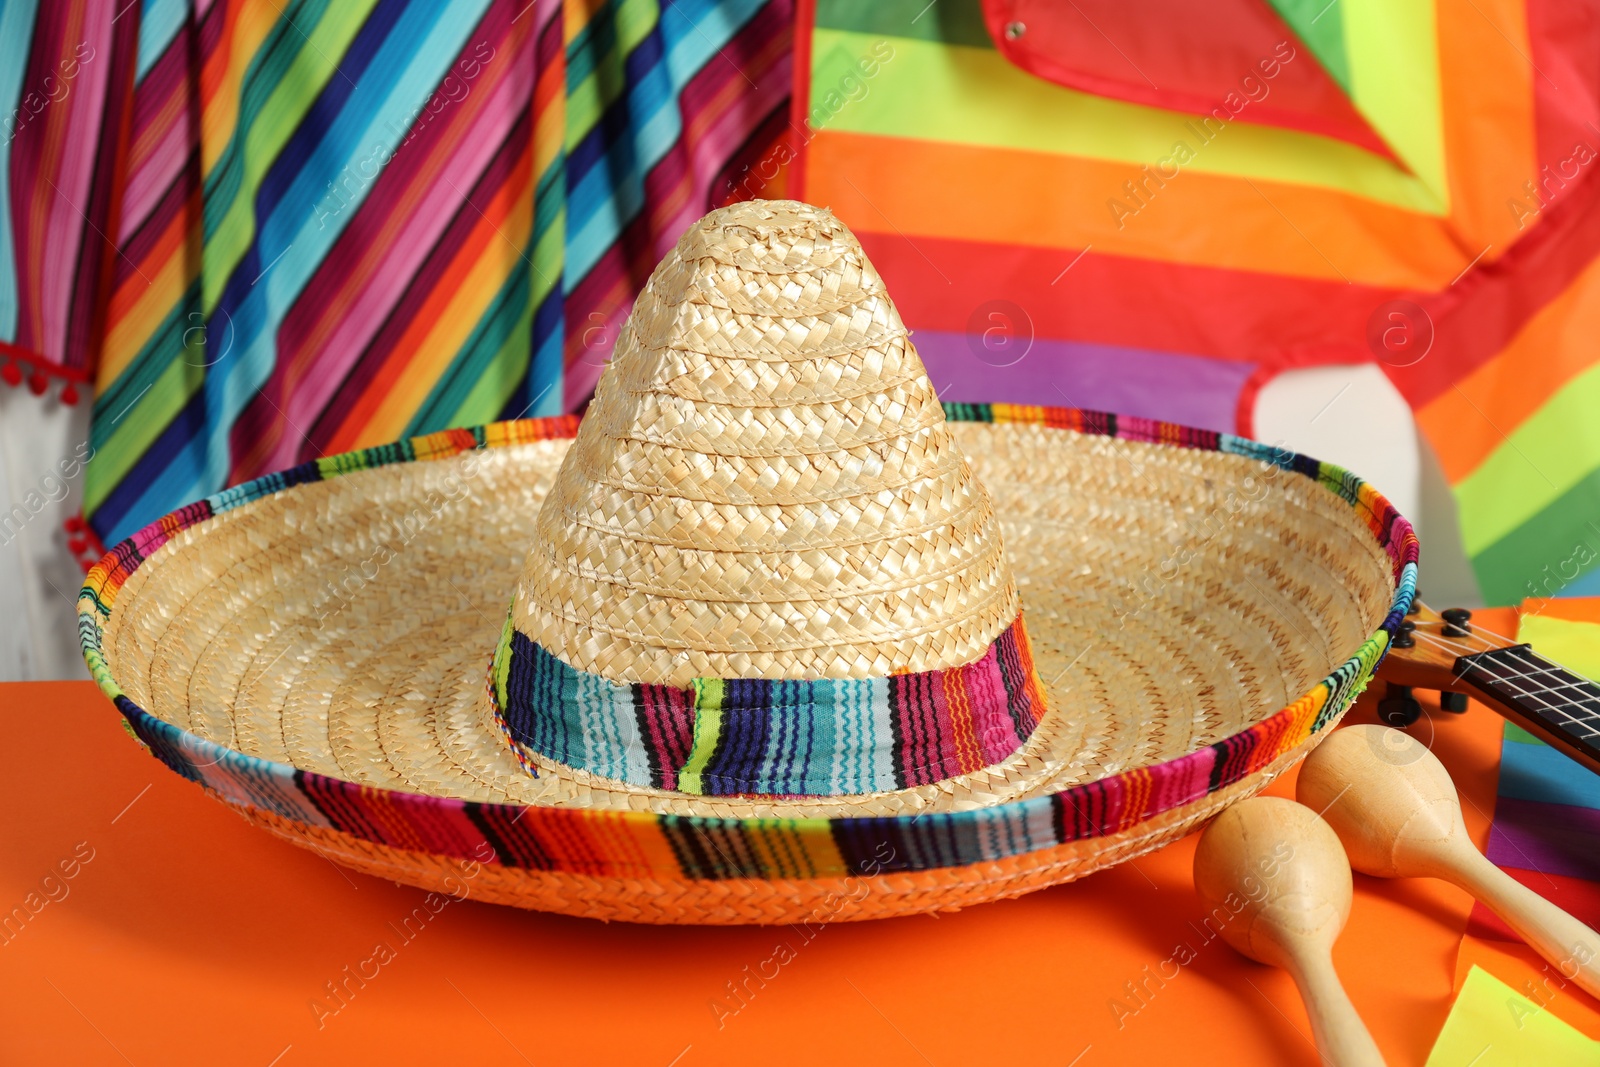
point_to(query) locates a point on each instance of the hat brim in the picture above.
(1204, 608)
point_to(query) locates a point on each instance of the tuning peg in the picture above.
(1448, 701)
(1455, 622)
(1403, 637)
(1398, 707)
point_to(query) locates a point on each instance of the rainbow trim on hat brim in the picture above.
(646, 845)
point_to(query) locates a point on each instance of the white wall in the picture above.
(1353, 416)
(39, 577)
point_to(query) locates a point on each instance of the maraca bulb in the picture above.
(1384, 794)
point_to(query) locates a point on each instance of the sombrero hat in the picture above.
(787, 638)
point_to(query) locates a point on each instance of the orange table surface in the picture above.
(191, 937)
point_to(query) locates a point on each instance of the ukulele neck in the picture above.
(1558, 706)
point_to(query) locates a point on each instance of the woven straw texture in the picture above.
(239, 641)
(764, 485)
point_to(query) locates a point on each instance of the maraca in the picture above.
(1281, 874)
(1395, 809)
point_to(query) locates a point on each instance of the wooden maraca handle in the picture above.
(1570, 946)
(1342, 1038)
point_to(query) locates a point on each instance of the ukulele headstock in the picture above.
(1447, 651)
(1424, 655)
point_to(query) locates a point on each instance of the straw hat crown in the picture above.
(764, 485)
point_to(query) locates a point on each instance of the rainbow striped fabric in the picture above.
(64, 68)
(729, 736)
(1096, 237)
(642, 844)
(344, 223)
(198, 213)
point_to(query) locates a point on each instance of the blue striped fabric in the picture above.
(593, 136)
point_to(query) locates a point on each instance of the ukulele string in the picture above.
(1543, 677)
(1475, 633)
(1448, 646)
(1477, 629)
